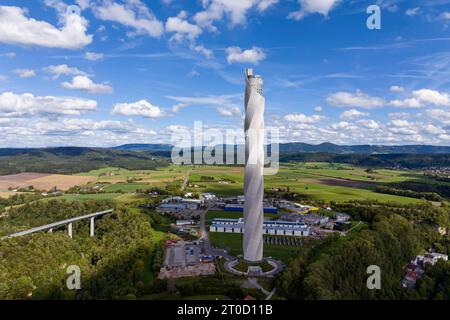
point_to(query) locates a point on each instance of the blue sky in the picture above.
(135, 71)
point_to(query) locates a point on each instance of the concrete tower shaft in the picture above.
(254, 166)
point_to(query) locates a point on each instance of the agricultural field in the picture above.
(316, 181)
(138, 178)
(313, 181)
(42, 181)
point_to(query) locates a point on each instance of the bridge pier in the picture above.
(50, 230)
(69, 229)
(91, 229)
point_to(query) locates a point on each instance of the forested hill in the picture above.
(74, 159)
(323, 147)
(69, 160)
(406, 161)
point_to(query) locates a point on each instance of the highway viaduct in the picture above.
(49, 227)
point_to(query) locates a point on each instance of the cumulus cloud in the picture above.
(63, 69)
(432, 97)
(224, 101)
(229, 112)
(343, 125)
(25, 73)
(182, 28)
(253, 55)
(207, 53)
(17, 28)
(439, 116)
(357, 99)
(93, 56)
(318, 109)
(412, 11)
(141, 108)
(8, 54)
(302, 118)
(235, 11)
(423, 97)
(86, 84)
(369, 123)
(352, 114)
(16, 105)
(133, 14)
(307, 7)
(446, 15)
(396, 89)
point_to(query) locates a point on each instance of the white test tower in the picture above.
(254, 166)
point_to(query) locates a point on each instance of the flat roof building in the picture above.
(282, 228)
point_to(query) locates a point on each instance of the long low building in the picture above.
(240, 208)
(279, 228)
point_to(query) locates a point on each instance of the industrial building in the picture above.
(281, 228)
(240, 208)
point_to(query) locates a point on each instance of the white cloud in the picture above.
(318, 109)
(253, 55)
(423, 97)
(412, 11)
(433, 97)
(17, 28)
(352, 114)
(132, 14)
(343, 125)
(86, 84)
(207, 53)
(83, 4)
(396, 89)
(182, 28)
(25, 73)
(225, 101)
(236, 11)
(15, 105)
(8, 54)
(229, 112)
(446, 15)
(139, 108)
(357, 99)
(405, 103)
(301, 118)
(307, 7)
(63, 69)
(400, 123)
(439, 115)
(93, 56)
(369, 123)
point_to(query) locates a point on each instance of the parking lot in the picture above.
(183, 260)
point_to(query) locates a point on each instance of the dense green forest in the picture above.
(407, 161)
(70, 160)
(118, 262)
(335, 268)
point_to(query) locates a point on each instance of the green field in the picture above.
(313, 181)
(233, 243)
(316, 181)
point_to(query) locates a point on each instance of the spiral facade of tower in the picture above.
(254, 166)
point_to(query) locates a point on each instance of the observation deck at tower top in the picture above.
(255, 81)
